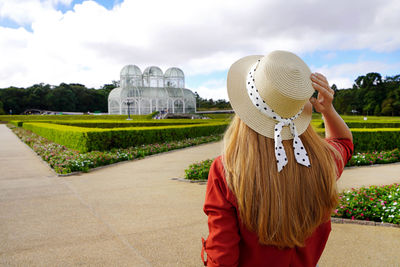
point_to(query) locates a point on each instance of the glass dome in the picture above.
(114, 99)
(115, 93)
(174, 77)
(153, 77)
(152, 91)
(131, 75)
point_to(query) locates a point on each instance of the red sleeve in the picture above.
(222, 244)
(346, 148)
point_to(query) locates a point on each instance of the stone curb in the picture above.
(362, 222)
(200, 182)
(105, 166)
(121, 162)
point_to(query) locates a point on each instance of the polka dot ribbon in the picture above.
(280, 154)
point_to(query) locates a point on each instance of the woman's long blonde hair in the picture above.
(282, 208)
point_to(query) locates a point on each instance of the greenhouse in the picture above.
(151, 91)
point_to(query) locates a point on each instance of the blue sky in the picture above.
(88, 42)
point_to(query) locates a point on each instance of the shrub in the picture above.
(64, 160)
(375, 157)
(370, 124)
(376, 139)
(123, 124)
(375, 203)
(8, 118)
(358, 159)
(89, 139)
(366, 140)
(199, 171)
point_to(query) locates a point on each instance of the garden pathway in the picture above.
(133, 214)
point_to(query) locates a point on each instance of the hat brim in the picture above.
(245, 109)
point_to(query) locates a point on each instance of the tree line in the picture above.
(371, 94)
(211, 104)
(64, 97)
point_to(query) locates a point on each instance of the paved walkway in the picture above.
(133, 214)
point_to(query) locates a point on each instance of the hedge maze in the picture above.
(96, 132)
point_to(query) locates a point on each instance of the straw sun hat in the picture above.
(269, 94)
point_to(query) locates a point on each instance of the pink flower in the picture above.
(362, 214)
(352, 217)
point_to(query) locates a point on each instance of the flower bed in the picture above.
(375, 203)
(375, 157)
(198, 171)
(64, 160)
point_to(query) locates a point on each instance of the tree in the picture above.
(377, 110)
(387, 107)
(1, 109)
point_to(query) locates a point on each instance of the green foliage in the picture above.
(221, 116)
(370, 124)
(375, 203)
(2, 112)
(72, 137)
(64, 160)
(89, 139)
(210, 104)
(369, 158)
(371, 95)
(368, 139)
(16, 123)
(123, 124)
(72, 117)
(64, 97)
(199, 171)
(348, 118)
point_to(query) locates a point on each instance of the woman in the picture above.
(270, 195)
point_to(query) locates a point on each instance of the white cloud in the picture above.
(343, 75)
(215, 89)
(90, 44)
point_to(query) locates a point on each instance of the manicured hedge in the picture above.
(123, 124)
(220, 116)
(114, 123)
(349, 118)
(7, 118)
(16, 123)
(370, 124)
(376, 139)
(380, 139)
(89, 139)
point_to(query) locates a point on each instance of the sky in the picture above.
(89, 42)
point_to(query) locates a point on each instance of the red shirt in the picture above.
(229, 243)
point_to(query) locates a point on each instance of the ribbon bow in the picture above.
(299, 151)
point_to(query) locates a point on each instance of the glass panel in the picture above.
(114, 107)
(178, 106)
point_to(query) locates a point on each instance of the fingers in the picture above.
(320, 83)
(323, 90)
(317, 104)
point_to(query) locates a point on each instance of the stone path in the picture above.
(133, 214)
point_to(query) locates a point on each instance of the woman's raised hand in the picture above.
(335, 127)
(323, 103)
